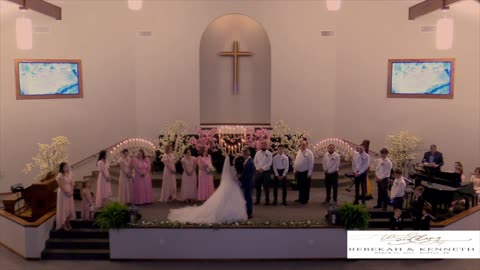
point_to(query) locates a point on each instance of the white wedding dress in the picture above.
(227, 203)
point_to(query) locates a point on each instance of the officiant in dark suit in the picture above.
(247, 178)
(432, 161)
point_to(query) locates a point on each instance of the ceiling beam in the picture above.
(428, 6)
(41, 6)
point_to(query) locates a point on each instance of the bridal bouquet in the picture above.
(49, 156)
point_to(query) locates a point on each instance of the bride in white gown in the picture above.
(227, 203)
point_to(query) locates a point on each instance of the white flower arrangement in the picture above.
(176, 136)
(282, 134)
(49, 157)
(402, 148)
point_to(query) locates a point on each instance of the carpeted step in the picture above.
(84, 242)
(384, 223)
(85, 224)
(80, 233)
(379, 213)
(76, 254)
(78, 243)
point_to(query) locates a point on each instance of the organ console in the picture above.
(34, 201)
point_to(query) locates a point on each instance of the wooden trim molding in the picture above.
(12, 250)
(457, 217)
(96, 154)
(17, 78)
(25, 223)
(41, 6)
(389, 79)
(428, 6)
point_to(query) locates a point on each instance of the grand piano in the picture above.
(34, 201)
(443, 188)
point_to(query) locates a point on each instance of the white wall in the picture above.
(251, 103)
(95, 32)
(168, 62)
(366, 42)
(224, 244)
(138, 85)
(28, 242)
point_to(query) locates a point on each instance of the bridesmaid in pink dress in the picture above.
(205, 176)
(65, 203)
(104, 188)
(188, 192)
(125, 179)
(87, 202)
(169, 181)
(142, 192)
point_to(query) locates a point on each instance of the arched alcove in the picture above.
(219, 103)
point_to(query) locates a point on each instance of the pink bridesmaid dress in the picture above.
(87, 204)
(104, 188)
(124, 181)
(169, 181)
(189, 182)
(65, 203)
(142, 192)
(205, 178)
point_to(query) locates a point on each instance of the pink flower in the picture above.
(257, 137)
(206, 139)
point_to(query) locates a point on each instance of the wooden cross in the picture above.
(235, 53)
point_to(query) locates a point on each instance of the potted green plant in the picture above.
(353, 216)
(113, 216)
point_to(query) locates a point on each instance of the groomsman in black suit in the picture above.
(247, 178)
(433, 161)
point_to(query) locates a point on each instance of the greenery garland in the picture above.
(243, 224)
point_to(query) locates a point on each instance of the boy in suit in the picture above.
(418, 205)
(424, 223)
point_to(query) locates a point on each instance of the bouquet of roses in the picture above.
(211, 170)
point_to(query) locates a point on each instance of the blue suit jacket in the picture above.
(248, 174)
(437, 158)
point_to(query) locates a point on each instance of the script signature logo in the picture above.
(416, 238)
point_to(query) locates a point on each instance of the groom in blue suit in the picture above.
(246, 179)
